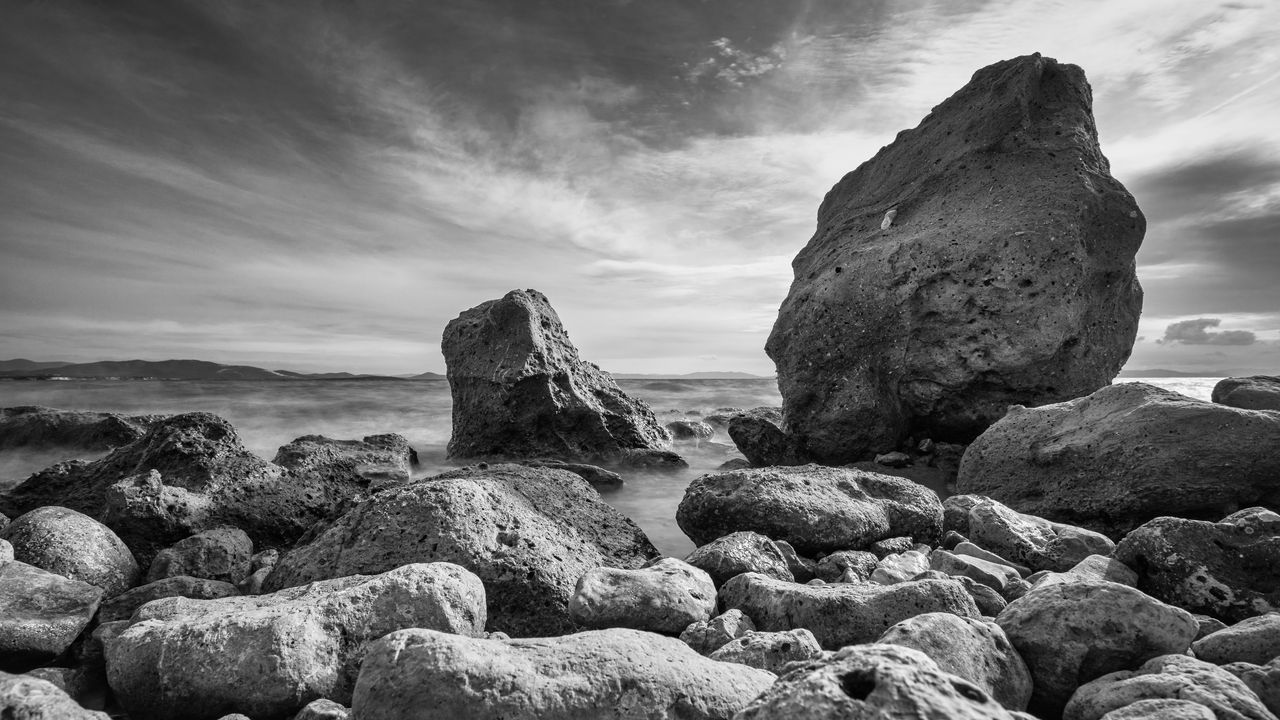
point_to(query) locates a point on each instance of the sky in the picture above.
(322, 185)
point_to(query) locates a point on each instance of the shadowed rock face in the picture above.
(1005, 274)
(520, 390)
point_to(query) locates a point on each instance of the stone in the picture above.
(665, 596)
(1253, 640)
(73, 545)
(990, 603)
(770, 650)
(893, 459)
(1007, 277)
(739, 552)
(1071, 633)
(1263, 680)
(1025, 540)
(976, 650)
(814, 508)
(841, 613)
(23, 697)
(994, 575)
(694, 430)
(375, 462)
(1168, 677)
(803, 569)
(758, 435)
(423, 675)
(734, 464)
(874, 681)
(6, 551)
(707, 636)
(1208, 625)
(1099, 567)
(1163, 709)
(1259, 392)
(847, 566)
(220, 553)
(122, 606)
(1229, 570)
(528, 533)
(964, 547)
(1124, 455)
(323, 709)
(891, 546)
(900, 567)
(520, 390)
(597, 476)
(270, 655)
(41, 614)
(34, 427)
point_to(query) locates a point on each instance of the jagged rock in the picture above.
(1259, 392)
(769, 650)
(1028, 540)
(1168, 677)
(803, 569)
(30, 426)
(814, 508)
(23, 697)
(220, 553)
(41, 614)
(1163, 709)
(705, 637)
(1253, 640)
(874, 681)
(423, 675)
(976, 650)
(900, 567)
(740, 552)
(847, 566)
(690, 430)
(1229, 570)
(841, 613)
(267, 656)
(1124, 455)
(121, 606)
(529, 533)
(519, 389)
(376, 462)
(1007, 276)
(1071, 633)
(665, 596)
(73, 545)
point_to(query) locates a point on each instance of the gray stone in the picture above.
(376, 462)
(121, 606)
(847, 566)
(740, 552)
(35, 427)
(323, 710)
(23, 697)
(770, 650)
(1163, 709)
(665, 596)
(705, 637)
(1168, 677)
(1253, 640)
(758, 436)
(993, 575)
(220, 553)
(41, 614)
(1023, 539)
(964, 547)
(1259, 392)
(695, 430)
(891, 546)
(1263, 680)
(73, 545)
(900, 567)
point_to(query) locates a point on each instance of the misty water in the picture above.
(268, 414)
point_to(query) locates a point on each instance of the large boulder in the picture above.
(423, 675)
(665, 596)
(1174, 677)
(73, 545)
(520, 390)
(984, 258)
(529, 533)
(30, 426)
(1126, 454)
(377, 461)
(1229, 570)
(814, 508)
(23, 697)
(267, 656)
(1258, 392)
(41, 614)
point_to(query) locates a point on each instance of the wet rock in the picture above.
(847, 566)
(121, 606)
(873, 681)
(900, 567)
(23, 697)
(41, 614)
(975, 650)
(842, 613)
(705, 637)
(34, 427)
(665, 596)
(269, 655)
(520, 390)
(1168, 677)
(220, 553)
(73, 545)
(423, 675)
(375, 463)
(769, 650)
(529, 533)
(1253, 640)
(734, 464)
(690, 430)
(1124, 455)
(814, 508)
(1071, 633)
(740, 552)
(759, 436)
(1259, 392)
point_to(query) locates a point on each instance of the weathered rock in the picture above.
(990, 603)
(1253, 640)
(323, 710)
(1162, 710)
(758, 435)
(376, 462)
(1229, 570)
(705, 637)
(690, 430)
(975, 650)
(593, 474)
(1098, 567)
(994, 575)
(520, 390)
(814, 508)
(1168, 677)
(1006, 277)
(529, 533)
(891, 546)
(665, 596)
(41, 614)
(842, 613)
(1019, 538)
(1071, 633)
(23, 697)
(1208, 625)
(220, 553)
(121, 606)
(770, 650)
(964, 547)
(802, 568)
(847, 566)
(900, 567)
(1259, 392)
(6, 551)
(31, 426)
(73, 545)
(740, 552)
(874, 681)
(421, 675)
(267, 656)
(1263, 680)
(1124, 455)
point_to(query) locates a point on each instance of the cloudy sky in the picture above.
(323, 185)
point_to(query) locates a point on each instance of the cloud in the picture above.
(1195, 332)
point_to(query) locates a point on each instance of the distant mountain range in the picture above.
(1157, 373)
(689, 376)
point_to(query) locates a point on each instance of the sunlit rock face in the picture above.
(982, 259)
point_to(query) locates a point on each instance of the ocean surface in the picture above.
(268, 414)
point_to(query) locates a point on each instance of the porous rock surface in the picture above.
(1168, 677)
(376, 461)
(1020, 538)
(740, 552)
(769, 650)
(984, 258)
(31, 426)
(41, 614)
(122, 606)
(1257, 392)
(23, 697)
(665, 597)
(220, 553)
(705, 637)
(73, 545)
(1254, 640)
(520, 390)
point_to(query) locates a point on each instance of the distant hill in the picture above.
(1157, 373)
(22, 364)
(690, 376)
(425, 376)
(163, 370)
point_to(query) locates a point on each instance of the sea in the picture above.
(268, 414)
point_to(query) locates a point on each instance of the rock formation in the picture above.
(29, 426)
(1006, 274)
(1257, 392)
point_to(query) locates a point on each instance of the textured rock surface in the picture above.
(424, 675)
(899, 567)
(23, 697)
(1229, 570)
(30, 426)
(323, 710)
(1263, 680)
(122, 606)
(759, 436)
(842, 613)
(376, 462)
(73, 545)
(1253, 640)
(1071, 633)
(267, 656)
(1168, 677)
(814, 508)
(740, 552)
(41, 614)
(994, 575)
(1006, 276)
(220, 553)
(1028, 540)
(1162, 710)
(711, 635)
(770, 650)
(1259, 392)
(664, 597)
(520, 390)
(1126, 454)
(847, 566)
(529, 533)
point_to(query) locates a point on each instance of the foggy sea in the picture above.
(268, 414)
